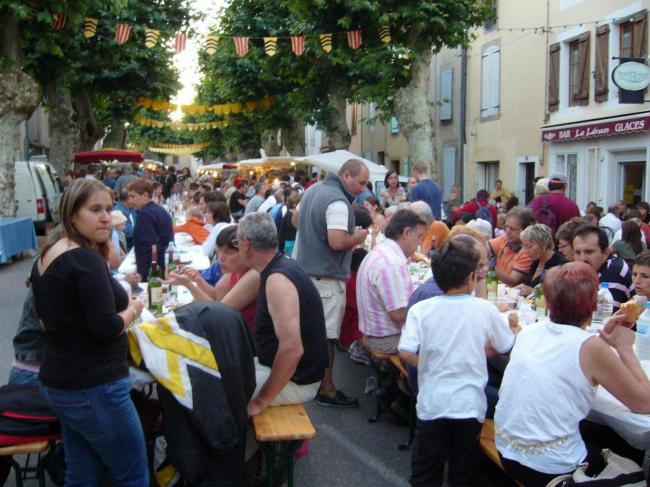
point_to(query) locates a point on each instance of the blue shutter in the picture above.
(394, 125)
(446, 93)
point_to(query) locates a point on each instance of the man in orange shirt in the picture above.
(194, 225)
(437, 231)
(512, 263)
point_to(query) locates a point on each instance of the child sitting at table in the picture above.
(451, 332)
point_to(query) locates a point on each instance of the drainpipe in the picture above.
(463, 102)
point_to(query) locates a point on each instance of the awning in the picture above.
(604, 127)
(108, 155)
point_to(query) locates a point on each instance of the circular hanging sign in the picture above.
(631, 76)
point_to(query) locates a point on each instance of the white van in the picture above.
(38, 192)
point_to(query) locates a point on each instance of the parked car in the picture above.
(38, 193)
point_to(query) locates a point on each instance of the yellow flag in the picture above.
(270, 46)
(384, 34)
(90, 27)
(151, 37)
(326, 42)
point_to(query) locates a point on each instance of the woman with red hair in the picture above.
(550, 383)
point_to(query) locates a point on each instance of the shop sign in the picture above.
(595, 130)
(631, 76)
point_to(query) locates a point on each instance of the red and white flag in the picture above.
(241, 45)
(354, 38)
(122, 32)
(297, 44)
(58, 21)
(180, 41)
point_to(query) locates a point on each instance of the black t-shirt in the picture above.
(77, 300)
(555, 260)
(314, 361)
(234, 203)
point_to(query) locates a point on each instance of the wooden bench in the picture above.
(488, 447)
(26, 472)
(290, 426)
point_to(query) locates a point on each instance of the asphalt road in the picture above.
(348, 451)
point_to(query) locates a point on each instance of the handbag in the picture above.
(619, 472)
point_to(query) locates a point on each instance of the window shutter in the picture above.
(640, 38)
(446, 92)
(490, 81)
(582, 97)
(602, 63)
(554, 77)
(394, 125)
(448, 170)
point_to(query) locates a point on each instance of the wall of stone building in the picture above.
(506, 144)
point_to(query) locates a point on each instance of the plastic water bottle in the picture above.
(643, 334)
(605, 307)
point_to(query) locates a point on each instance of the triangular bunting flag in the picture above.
(297, 44)
(90, 27)
(211, 43)
(58, 21)
(180, 41)
(241, 45)
(326, 42)
(122, 32)
(354, 38)
(151, 37)
(270, 46)
(384, 34)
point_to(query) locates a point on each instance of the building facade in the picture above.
(600, 142)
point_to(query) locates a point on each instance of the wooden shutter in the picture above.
(490, 77)
(582, 97)
(640, 38)
(602, 64)
(554, 77)
(446, 92)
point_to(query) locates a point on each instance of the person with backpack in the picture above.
(555, 208)
(480, 207)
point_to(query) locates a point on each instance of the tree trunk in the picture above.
(338, 133)
(293, 138)
(414, 115)
(89, 130)
(116, 138)
(64, 129)
(269, 143)
(19, 96)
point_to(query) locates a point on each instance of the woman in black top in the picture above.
(85, 312)
(537, 242)
(287, 233)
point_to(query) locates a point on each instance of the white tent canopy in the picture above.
(332, 161)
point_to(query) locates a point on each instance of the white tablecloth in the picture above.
(190, 255)
(633, 427)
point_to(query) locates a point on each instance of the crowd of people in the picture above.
(310, 262)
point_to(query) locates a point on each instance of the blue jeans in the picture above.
(100, 426)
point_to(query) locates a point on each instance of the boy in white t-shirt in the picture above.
(446, 337)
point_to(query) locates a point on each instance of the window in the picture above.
(490, 80)
(568, 164)
(371, 117)
(633, 36)
(394, 125)
(493, 15)
(446, 93)
(487, 174)
(579, 71)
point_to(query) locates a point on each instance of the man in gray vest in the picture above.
(323, 248)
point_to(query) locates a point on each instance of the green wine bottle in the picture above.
(154, 284)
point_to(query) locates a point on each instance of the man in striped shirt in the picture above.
(384, 285)
(591, 245)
